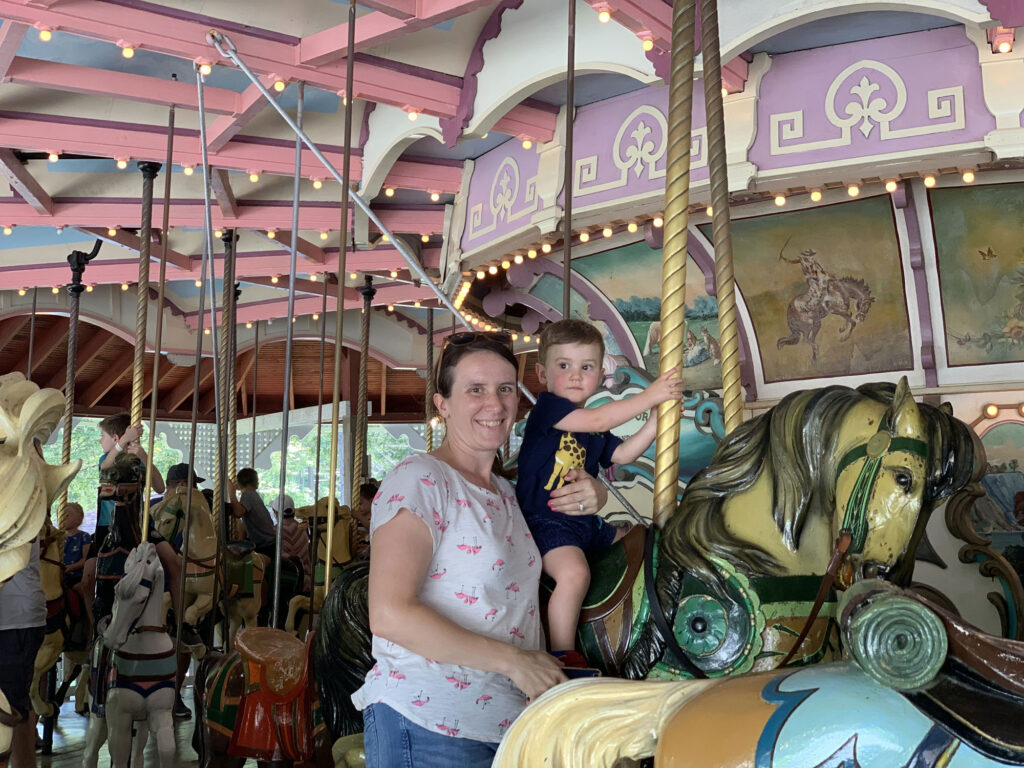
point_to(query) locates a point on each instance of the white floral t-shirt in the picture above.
(483, 576)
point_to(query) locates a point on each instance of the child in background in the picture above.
(561, 436)
(76, 544)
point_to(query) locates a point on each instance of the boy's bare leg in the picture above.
(568, 567)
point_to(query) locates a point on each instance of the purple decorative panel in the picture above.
(502, 194)
(620, 146)
(873, 97)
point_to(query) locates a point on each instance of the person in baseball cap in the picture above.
(178, 476)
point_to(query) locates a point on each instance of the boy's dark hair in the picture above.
(117, 424)
(369, 489)
(248, 477)
(569, 332)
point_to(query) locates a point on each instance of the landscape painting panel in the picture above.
(979, 239)
(824, 288)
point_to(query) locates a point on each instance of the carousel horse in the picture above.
(169, 518)
(261, 702)
(28, 416)
(142, 663)
(924, 690)
(66, 622)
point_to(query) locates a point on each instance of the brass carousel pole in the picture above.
(673, 274)
(314, 524)
(149, 171)
(570, 109)
(428, 405)
(230, 345)
(255, 383)
(724, 280)
(31, 334)
(359, 463)
(339, 312)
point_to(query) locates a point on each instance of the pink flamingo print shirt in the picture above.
(484, 576)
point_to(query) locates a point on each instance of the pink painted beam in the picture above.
(44, 133)
(303, 247)
(653, 16)
(186, 38)
(24, 183)
(11, 35)
(72, 78)
(302, 285)
(220, 185)
(250, 104)
(524, 121)
(374, 29)
(133, 243)
(425, 176)
(400, 9)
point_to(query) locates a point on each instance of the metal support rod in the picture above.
(570, 108)
(673, 273)
(314, 524)
(360, 470)
(31, 335)
(149, 171)
(255, 383)
(289, 334)
(339, 313)
(428, 401)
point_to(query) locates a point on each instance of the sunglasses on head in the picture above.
(462, 338)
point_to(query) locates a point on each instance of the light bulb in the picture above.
(968, 177)
(505, 264)
(1004, 47)
(249, 325)
(480, 274)
(515, 337)
(709, 211)
(518, 258)
(55, 290)
(45, 34)
(929, 181)
(112, 231)
(205, 69)
(647, 45)
(546, 247)
(389, 191)
(493, 269)
(316, 316)
(853, 190)
(318, 183)
(815, 195)
(275, 279)
(21, 291)
(658, 222)
(584, 237)
(424, 238)
(527, 144)
(124, 286)
(891, 186)
(526, 337)
(352, 275)
(127, 51)
(991, 411)
(385, 239)
(206, 331)
(280, 85)
(725, 92)
(254, 177)
(8, 229)
(604, 17)
(88, 289)
(434, 197)
(632, 227)
(607, 232)
(394, 273)
(323, 235)
(53, 157)
(122, 163)
(413, 114)
(218, 233)
(199, 283)
(312, 277)
(272, 234)
(780, 200)
(416, 303)
(188, 170)
(532, 253)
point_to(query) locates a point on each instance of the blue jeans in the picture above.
(392, 741)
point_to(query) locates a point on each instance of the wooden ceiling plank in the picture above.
(96, 339)
(48, 341)
(102, 385)
(220, 184)
(11, 328)
(133, 242)
(24, 183)
(180, 393)
(11, 35)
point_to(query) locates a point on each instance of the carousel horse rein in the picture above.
(854, 532)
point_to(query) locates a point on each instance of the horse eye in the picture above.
(904, 480)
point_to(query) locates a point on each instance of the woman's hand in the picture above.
(580, 495)
(534, 672)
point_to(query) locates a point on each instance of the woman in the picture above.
(453, 579)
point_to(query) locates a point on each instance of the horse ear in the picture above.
(57, 477)
(947, 408)
(906, 418)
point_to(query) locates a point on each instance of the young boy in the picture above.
(76, 544)
(247, 504)
(561, 435)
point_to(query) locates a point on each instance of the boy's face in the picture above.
(107, 441)
(572, 371)
(72, 519)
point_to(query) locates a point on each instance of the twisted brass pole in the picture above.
(230, 238)
(728, 336)
(339, 312)
(673, 273)
(360, 469)
(149, 171)
(428, 405)
(570, 110)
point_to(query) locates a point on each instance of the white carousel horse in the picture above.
(142, 666)
(28, 415)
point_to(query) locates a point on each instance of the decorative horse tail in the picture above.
(562, 730)
(341, 650)
(795, 441)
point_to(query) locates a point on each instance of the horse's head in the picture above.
(28, 415)
(861, 307)
(169, 514)
(143, 577)
(122, 481)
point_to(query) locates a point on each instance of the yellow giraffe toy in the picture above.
(570, 454)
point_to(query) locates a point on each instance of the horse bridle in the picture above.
(854, 531)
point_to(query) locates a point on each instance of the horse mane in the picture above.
(134, 570)
(341, 648)
(859, 282)
(795, 441)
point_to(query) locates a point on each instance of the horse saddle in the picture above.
(238, 569)
(279, 656)
(979, 694)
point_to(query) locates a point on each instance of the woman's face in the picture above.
(482, 407)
